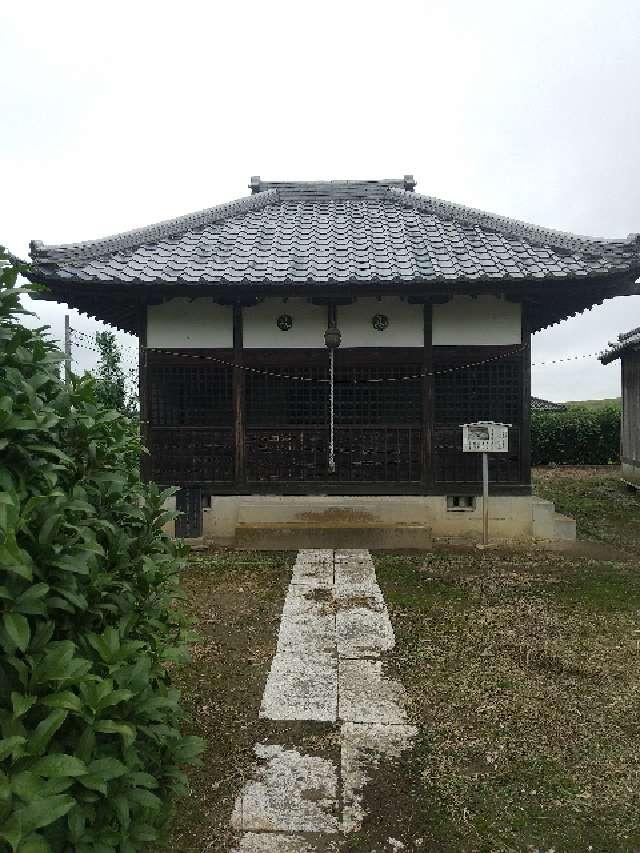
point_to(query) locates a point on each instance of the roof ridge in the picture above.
(52, 253)
(333, 187)
(507, 225)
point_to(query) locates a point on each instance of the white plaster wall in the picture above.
(405, 329)
(190, 323)
(260, 330)
(483, 320)
(463, 320)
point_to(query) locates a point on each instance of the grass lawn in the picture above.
(235, 599)
(523, 676)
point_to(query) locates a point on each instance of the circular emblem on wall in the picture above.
(380, 322)
(284, 322)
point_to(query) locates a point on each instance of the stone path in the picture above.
(327, 669)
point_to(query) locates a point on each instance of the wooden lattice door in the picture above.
(377, 420)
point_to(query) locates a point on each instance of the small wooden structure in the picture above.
(432, 304)
(627, 349)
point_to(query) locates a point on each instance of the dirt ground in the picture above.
(522, 672)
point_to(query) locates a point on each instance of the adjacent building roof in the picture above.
(626, 342)
(378, 234)
(540, 405)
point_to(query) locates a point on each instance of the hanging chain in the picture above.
(332, 456)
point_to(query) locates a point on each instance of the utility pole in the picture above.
(67, 350)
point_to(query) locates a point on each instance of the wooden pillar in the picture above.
(238, 395)
(143, 396)
(427, 399)
(525, 415)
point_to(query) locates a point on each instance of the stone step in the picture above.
(274, 536)
(332, 510)
(564, 527)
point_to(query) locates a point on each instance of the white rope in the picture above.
(332, 457)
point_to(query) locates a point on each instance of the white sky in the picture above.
(118, 115)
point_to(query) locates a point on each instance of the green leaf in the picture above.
(111, 727)
(15, 560)
(41, 813)
(94, 783)
(143, 780)
(189, 749)
(122, 809)
(78, 563)
(114, 698)
(17, 627)
(34, 844)
(108, 768)
(31, 601)
(45, 731)
(12, 746)
(43, 633)
(49, 528)
(59, 764)
(145, 798)
(21, 704)
(28, 786)
(64, 699)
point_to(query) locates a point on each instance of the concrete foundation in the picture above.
(381, 522)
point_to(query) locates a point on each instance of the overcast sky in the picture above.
(117, 115)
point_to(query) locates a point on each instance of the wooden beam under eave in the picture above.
(144, 399)
(238, 399)
(427, 399)
(525, 413)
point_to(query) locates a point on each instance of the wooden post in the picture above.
(238, 389)
(525, 415)
(67, 350)
(427, 399)
(143, 396)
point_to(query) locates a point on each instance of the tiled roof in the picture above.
(540, 405)
(626, 341)
(340, 231)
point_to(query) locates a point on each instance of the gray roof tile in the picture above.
(337, 231)
(626, 342)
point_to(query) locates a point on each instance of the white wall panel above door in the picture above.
(279, 324)
(483, 320)
(388, 322)
(190, 323)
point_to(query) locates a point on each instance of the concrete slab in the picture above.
(365, 696)
(307, 627)
(335, 626)
(353, 572)
(362, 632)
(364, 746)
(301, 687)
(293, 793)
(275, 842)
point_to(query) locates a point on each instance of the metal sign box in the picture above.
(485, 437)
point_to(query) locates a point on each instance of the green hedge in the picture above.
(577, 436)
(90, 739)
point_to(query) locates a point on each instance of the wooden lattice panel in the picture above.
(490, 392)
(189, 395)
(363, 395)
(183, 456)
